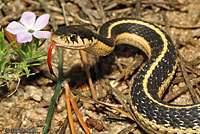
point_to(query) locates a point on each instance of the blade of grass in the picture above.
(51, 107)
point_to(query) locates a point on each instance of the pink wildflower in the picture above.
(29, 27)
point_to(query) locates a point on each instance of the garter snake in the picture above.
(150, 112)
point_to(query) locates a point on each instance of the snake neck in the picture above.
(101, 46)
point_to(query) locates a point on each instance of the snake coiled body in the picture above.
(150, 112)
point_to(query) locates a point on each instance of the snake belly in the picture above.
(150, 112)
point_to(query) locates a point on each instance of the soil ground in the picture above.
(28, 107)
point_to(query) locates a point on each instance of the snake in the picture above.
(151, 113)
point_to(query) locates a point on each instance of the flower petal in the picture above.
(42, 34)
(15, 27)
(28, 19)
(41, 22)
(24, 37)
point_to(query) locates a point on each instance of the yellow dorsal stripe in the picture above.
(158, 59)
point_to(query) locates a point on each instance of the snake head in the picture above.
(74, 37)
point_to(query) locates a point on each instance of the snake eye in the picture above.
(73, 37)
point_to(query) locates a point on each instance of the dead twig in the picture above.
(99, 7)
(69, 110)
(187, 81)
(134, 65)
(85, 62)
(128, 129)
(92, 101)
(63, 127)
(138, 9)
(78, 115)
(172, 95)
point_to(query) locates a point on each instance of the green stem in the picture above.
(60, 74)
(56, 93)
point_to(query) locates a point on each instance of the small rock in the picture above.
(47, 94)
(181, 84)
(43, 81)
(37, 114)
(61, 103)
(33, 93)
(95, 123)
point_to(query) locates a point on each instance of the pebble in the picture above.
(37, 114)
(47, 95)
(32, 92)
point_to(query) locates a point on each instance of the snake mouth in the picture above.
(73, 47)
(69, 43)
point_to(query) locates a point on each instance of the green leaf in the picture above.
(28, 56)
(9, 45)
(20, 52)
(36, 43)
(27, 71)
(2, 65)
(2, 40)
(5, 78)
(1, 82)
(35, 64)
(1, 5)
